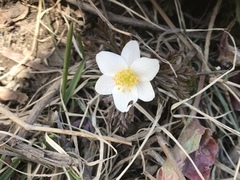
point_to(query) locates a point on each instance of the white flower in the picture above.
(126, 77)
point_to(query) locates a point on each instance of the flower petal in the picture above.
(131, 52)
(145, 68)
(122, 99)
(110, 63)
(145, 91)
(104, 85)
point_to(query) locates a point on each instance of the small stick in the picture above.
(120, 19)
(83, 133)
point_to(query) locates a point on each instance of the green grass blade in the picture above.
(74, 176)
(1, 163)
(80, 45)
(226, 108)
(67, 58)
(8, 174)
(77, 75)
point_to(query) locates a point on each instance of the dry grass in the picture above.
(86, 137)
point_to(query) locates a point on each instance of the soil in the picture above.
(41, 63)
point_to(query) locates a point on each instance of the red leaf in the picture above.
(202, 148)
(203, 158)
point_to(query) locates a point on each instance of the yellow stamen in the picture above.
(125, 79)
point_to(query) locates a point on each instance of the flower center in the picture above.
(125, 79)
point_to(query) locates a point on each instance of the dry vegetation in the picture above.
(53, 124)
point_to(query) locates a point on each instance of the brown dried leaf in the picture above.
(13, 14)
(10, 95)
(18, 57)
(227, 52)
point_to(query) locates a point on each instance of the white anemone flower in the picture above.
(127, 76)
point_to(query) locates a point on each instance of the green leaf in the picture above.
(67, 58)
(8, 174)
(77, 75)
(226, 108)
(1, 163)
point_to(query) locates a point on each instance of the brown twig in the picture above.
(82, 133)
(206, 53)
(42, 156)
(120, 19)
(40, 105)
